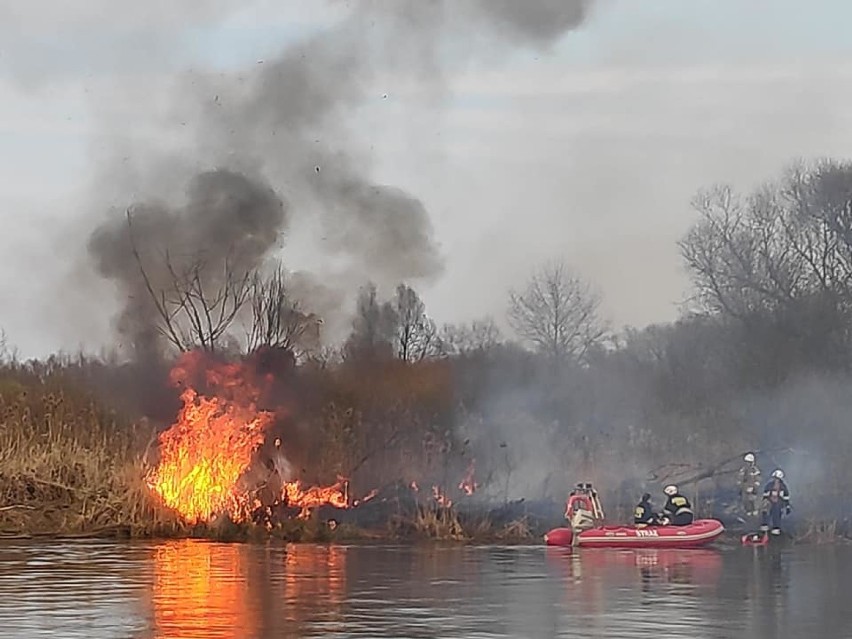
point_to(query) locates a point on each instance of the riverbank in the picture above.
(71, 466)
(429, 524)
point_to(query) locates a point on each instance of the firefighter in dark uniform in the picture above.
(643, 513)
(776, 502)
(678, 510)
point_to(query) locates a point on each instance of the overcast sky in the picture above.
(588, 152)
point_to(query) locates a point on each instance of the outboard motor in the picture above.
(583, 509)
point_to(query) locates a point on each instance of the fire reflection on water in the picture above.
(196, 582)
(239, 591)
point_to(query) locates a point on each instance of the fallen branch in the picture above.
(713, 471)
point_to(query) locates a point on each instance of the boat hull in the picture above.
(700, 533)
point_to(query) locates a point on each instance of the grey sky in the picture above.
(590, 151)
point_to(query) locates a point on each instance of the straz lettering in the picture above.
(647, 533)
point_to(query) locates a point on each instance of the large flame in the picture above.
(212, 444)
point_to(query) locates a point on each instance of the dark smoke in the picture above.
(227, 216)
(285, 120)
(535, 23)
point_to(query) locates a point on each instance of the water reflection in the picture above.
(198, 590)
(648, 567)
(314, 588)
(203, 591)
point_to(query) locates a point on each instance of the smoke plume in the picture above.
(277, 132)
(227, 216)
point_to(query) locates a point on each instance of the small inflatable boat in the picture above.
(583, 510)
(699, 533)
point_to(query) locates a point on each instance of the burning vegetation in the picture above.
(407, 429)
(210, 463)
(205, 453)
(245, 394)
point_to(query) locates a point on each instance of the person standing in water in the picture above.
(776, 502)
(749, 483)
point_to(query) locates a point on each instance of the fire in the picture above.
(441, 497)
(335, 495)
(213, 442)
(468, 485)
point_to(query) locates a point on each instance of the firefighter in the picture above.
(678, 510)
(749, 482)
(643, 513)
(776, 502)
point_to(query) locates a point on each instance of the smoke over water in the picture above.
(272, 152)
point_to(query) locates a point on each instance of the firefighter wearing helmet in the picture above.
(643, 513)
(678, 510)
(749, 484)
(776, 502)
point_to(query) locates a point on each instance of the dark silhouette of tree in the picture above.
(373, 327)
(277, 319)
(416, 333)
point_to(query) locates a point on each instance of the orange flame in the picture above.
(441, 497)
(335, 495)
(468, 485)
(212, 444)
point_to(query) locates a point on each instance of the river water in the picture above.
(200, 590)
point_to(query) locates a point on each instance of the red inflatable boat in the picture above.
(700, 533)
(584, 512)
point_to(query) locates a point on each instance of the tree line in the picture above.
(759, 360)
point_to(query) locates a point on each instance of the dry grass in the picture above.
(429, 522)
(435, 523)
(515, 531)
(70, 466)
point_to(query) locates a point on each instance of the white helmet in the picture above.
(778, 473)
(670, 490)
(749, 457)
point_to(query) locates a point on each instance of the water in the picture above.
(198, 590)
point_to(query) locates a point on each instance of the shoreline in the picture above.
(313, 531)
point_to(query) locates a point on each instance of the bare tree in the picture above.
(416, 332)
(197, 303)
(788, 241)
(479, 335)
(557, 313)
(779, 261)
(739, 253)
(277, 320)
